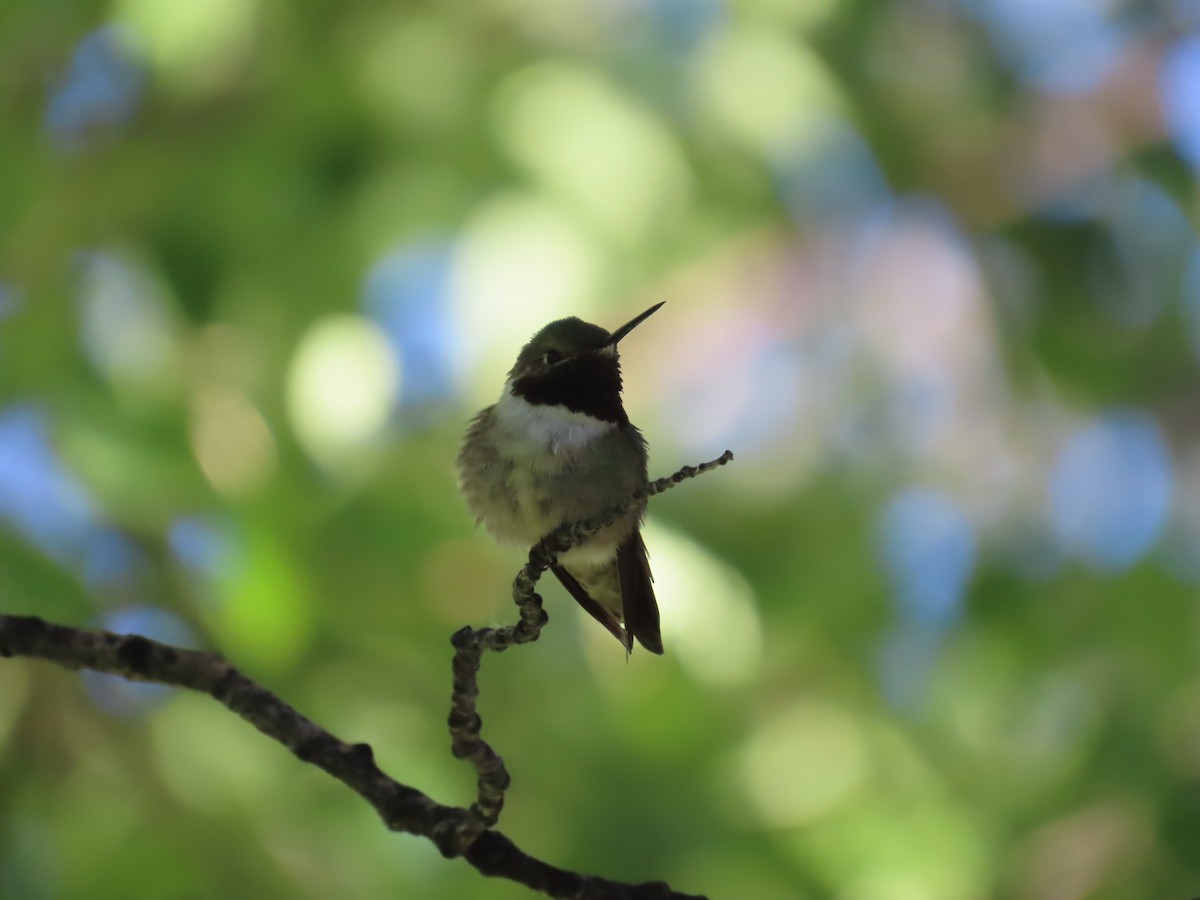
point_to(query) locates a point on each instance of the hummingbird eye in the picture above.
(550, 357)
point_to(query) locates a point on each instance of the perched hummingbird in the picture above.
(558, 447)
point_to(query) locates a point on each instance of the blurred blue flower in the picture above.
(914, 213)
(38, 496)
(833, 177)
(201, 545)
(1059, 45)
(118, 696)
(110, 558)
(210, 551)
(102, 88)
(928, 549)
(1110, 490)
(771, 395)
(678, 26)
(406, 293)
(1186, 13)
(752, 397)
(1179, 83)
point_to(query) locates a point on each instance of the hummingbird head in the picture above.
(574, 364)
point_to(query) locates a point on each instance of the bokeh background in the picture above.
(933, 274)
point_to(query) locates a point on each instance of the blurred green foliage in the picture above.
(260, 261)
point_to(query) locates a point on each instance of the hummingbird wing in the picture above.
(602, 615)
(637, 593)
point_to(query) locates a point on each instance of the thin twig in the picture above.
(466, 740)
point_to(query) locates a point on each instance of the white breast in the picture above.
(543, 427)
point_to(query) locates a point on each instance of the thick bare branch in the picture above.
(401, 807)
(457, 832)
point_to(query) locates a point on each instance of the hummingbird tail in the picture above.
(598, 612)
(637, 593)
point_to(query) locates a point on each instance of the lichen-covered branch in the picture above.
(470, 644)
(140, 659)
(457, 832)
(401, 807)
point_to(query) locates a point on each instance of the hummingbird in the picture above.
(558, 447)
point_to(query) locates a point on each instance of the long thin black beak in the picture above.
(616, 336)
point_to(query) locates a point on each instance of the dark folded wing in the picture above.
(637, 593)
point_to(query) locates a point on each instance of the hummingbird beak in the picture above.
(616, 336)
